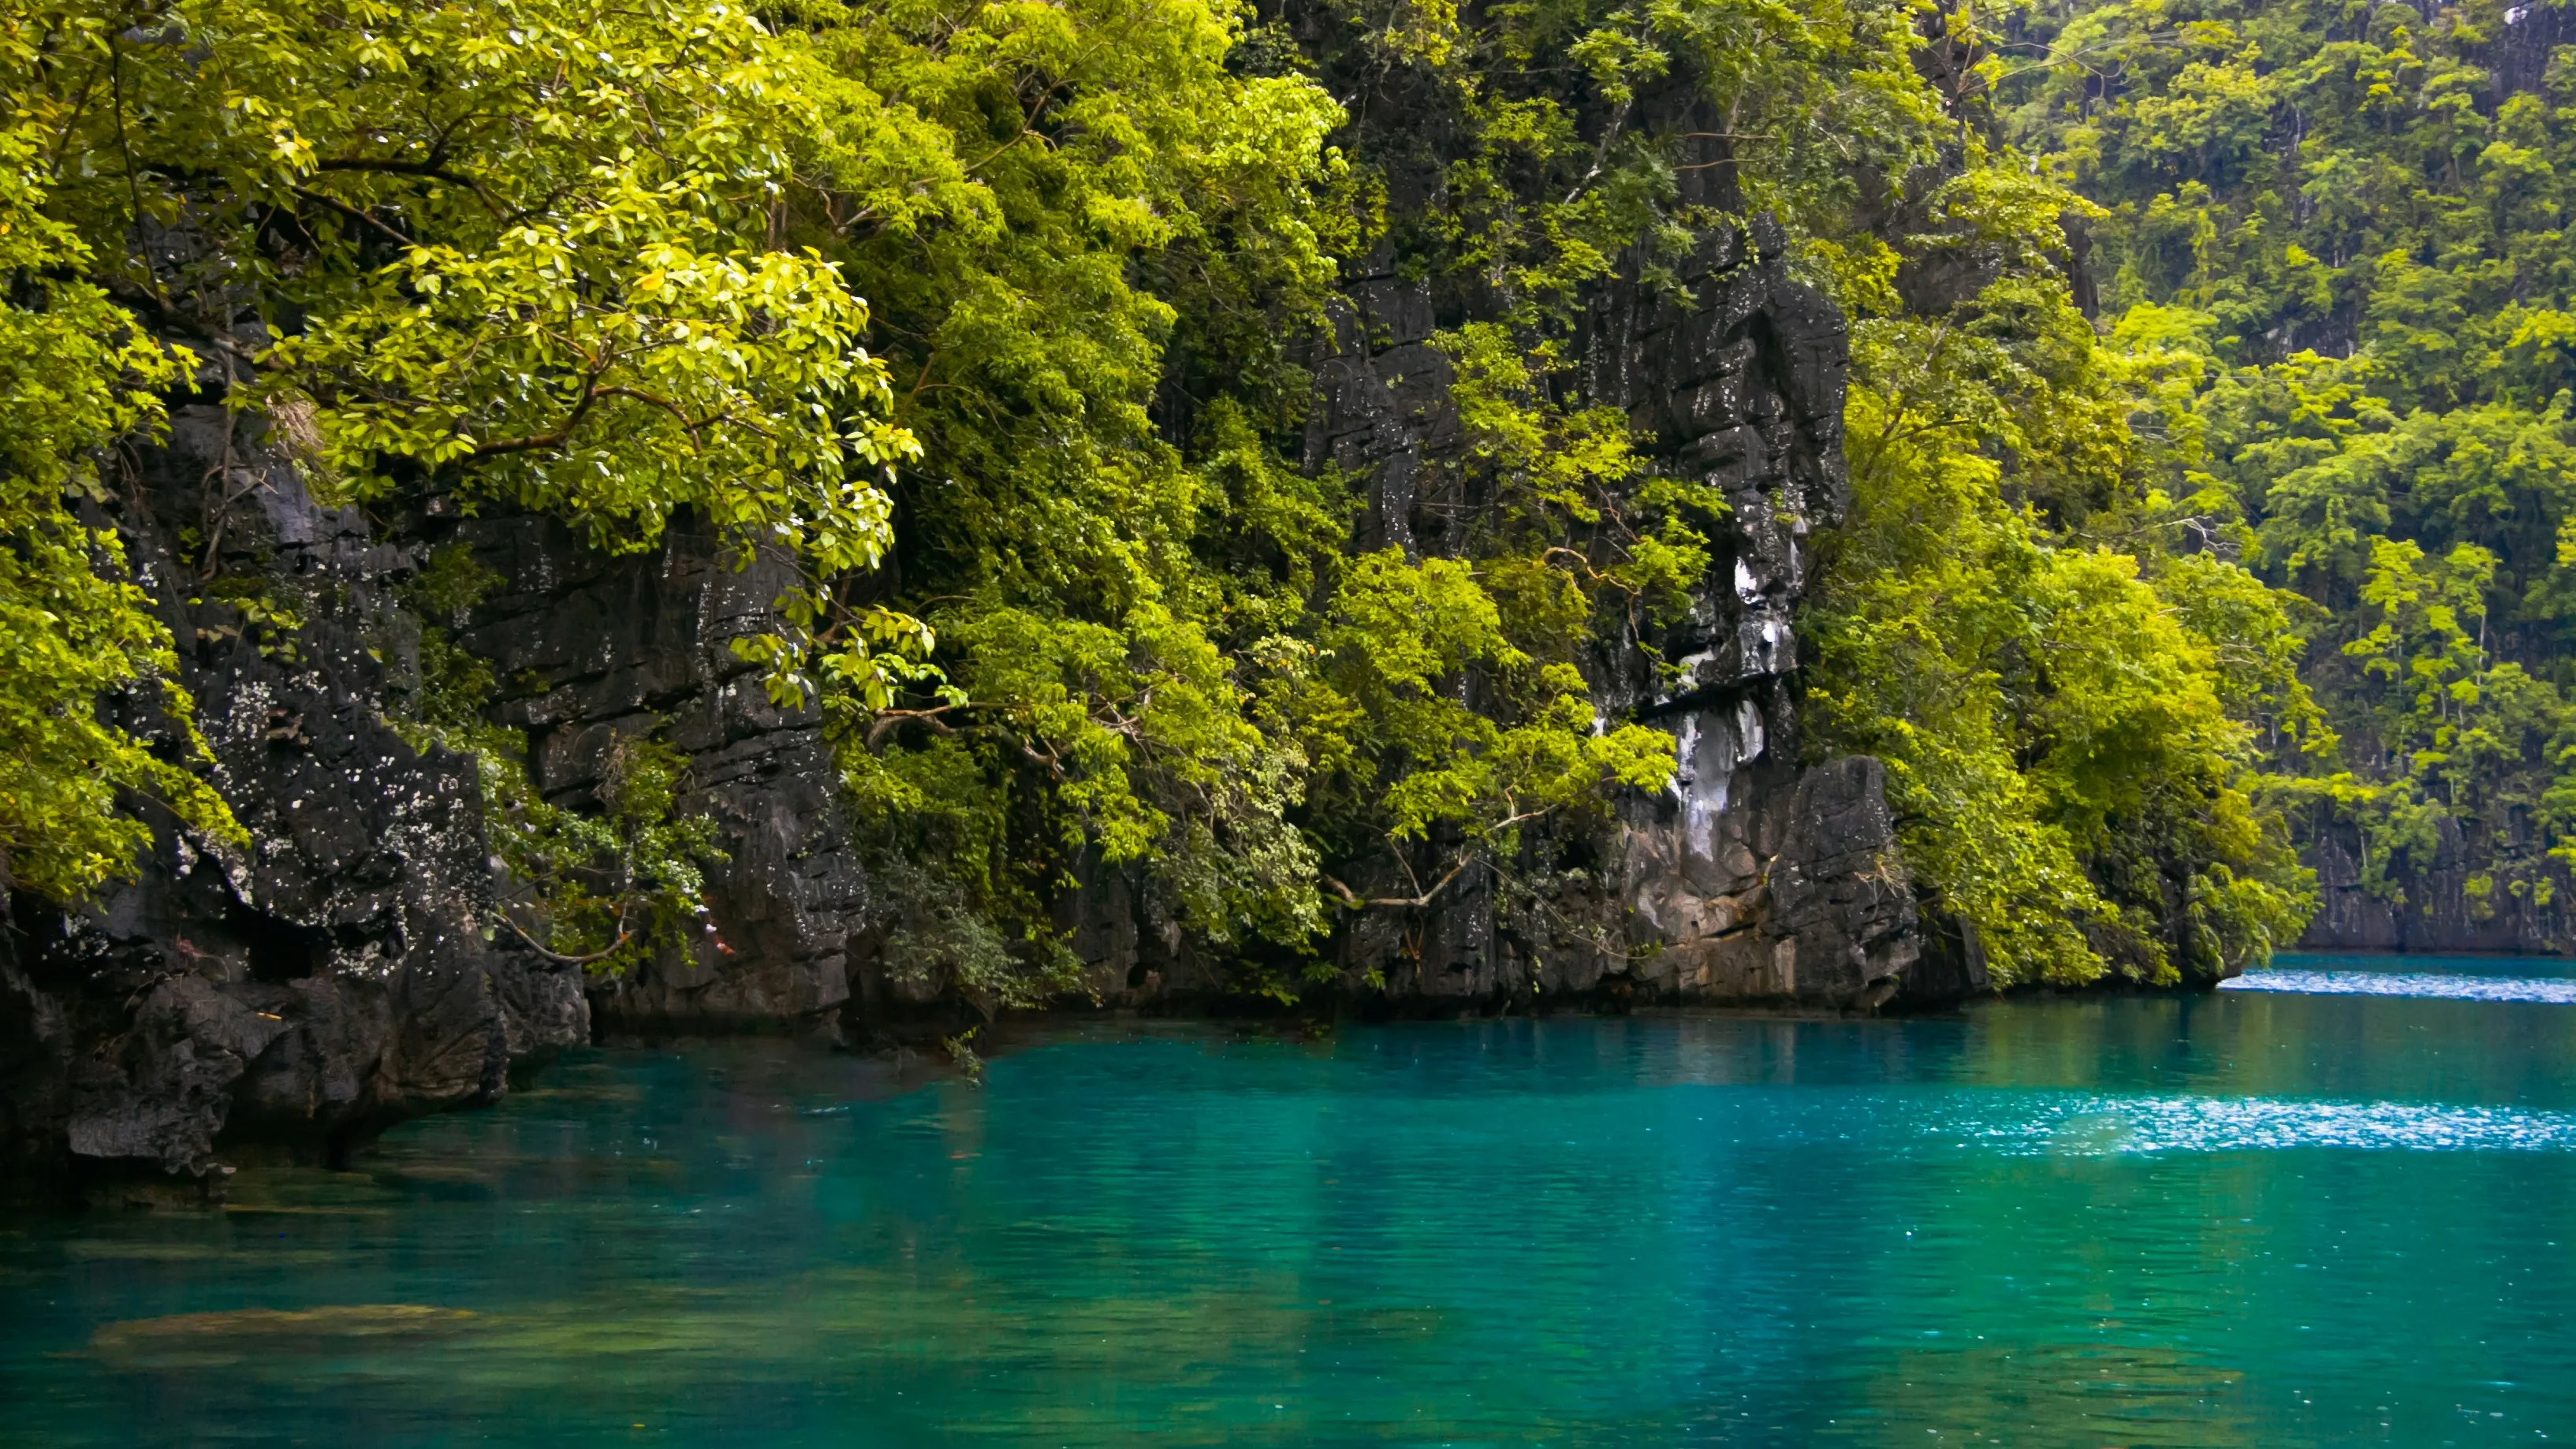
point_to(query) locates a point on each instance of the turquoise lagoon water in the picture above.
(2264, 1217)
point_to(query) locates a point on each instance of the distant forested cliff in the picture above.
(2350, 219)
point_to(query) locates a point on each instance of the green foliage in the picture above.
(1039, 201)
(2355, 217)
(2072, 694)
(1394, 633)
(2031, 614)
(605, 887)
(529, 243)
(606, 262)
(2067, 740)
(1576, 513)
(1162, 651)
(76, 375)
(524, 250)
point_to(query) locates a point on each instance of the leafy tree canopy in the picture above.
(2353, 216)
(989, 316)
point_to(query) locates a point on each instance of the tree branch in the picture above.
(623, 936)
(887, 719)
(1359, 902)
(354, 214)
(590, 393)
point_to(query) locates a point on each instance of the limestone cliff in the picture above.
(348, 971)
(1753, 880)
(2445, 901)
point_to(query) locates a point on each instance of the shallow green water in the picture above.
(2259, 1218)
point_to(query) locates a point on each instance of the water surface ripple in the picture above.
(2083, 1122)
(2412, 983)
(2259, 1217)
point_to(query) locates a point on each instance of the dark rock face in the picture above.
(2532, 35)
(2443, 909)
(345, 972)
(337, 976)
(1759, 880)
(591, 647)
(1752, 880)
(1828, 919)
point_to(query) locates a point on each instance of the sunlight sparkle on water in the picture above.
(2391, 983)
(2099, 1124)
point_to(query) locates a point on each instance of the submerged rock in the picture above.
(205, 1340)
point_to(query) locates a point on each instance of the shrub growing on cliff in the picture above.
(2030, 613)
(77, 376)
(2070, 731)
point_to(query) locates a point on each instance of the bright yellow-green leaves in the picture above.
(2084, 807)
(2023, 616)
(585, 307)
(1571, 496)
(521, 250)
(76, 375)
(1398, 638)
(2426, 644)
(577, 374)
(2068, 743)
(1063, 197)
(2364, 233)
(515, 249)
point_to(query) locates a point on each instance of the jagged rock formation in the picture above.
(336, 978)
(347, 972)
(589, 647)
(1748, 863)
(1753, 881)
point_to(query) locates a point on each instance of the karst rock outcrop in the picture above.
(349, 970)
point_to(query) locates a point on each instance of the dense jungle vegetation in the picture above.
(2350, 218)
(2190, 351)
